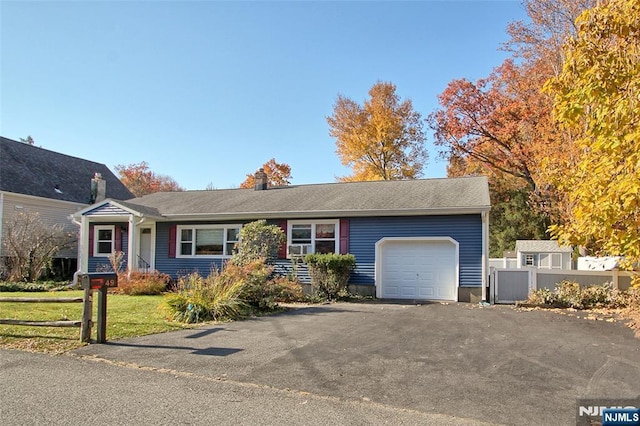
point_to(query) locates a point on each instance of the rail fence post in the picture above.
(101, 282)
(101, 336)
(87, 309)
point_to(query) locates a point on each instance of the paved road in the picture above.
(335, 364)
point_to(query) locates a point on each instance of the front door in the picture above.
(144, 258)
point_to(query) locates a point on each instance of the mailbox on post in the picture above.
(100, 281)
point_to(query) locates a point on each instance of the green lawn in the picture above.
(127, 316)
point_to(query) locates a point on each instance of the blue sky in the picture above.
(207, 91)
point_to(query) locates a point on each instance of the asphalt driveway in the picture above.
(491, 364)
(342, 364)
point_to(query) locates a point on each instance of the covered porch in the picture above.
(112, 227)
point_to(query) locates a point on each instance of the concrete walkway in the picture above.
(340, 364)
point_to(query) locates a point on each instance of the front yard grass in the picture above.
(127, 316)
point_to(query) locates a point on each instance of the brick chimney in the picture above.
(260, 183)
(98, 188)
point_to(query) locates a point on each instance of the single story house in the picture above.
(52, 184)
(424, 239)
(544, 254)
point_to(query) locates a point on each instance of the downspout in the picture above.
(485, 254)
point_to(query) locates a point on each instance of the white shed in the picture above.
(544, 254)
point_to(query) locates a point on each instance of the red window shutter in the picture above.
(282, 251)
(118, 238)
(172, 240)
(344, 236)
(91, 230)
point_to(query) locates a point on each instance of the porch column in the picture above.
(83, 247)
(132, 261)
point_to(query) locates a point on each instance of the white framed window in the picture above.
(529, 260)
(556, 260)
(317, 236)
(103, 240)
(544, 261)
(550, 261)
(207, 240)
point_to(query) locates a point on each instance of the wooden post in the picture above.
(100, 282)
(615, 276)
(533, 279)
(87, 311)
(102, 315)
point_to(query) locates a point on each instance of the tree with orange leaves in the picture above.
(141, 181)
(495, 121)
(278, 174)
(504, 121)
(502, 126)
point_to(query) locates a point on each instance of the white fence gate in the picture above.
(510, 285)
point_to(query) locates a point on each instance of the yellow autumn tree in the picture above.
(597, 95)
(381, 139)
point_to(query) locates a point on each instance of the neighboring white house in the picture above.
(545, 254)
(590, 263)
(54, 185)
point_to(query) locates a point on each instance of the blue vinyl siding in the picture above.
(364, 233)
(100, 264)
(107, 210)
(180, 266)
(465, 229)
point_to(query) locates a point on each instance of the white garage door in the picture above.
(423, 269)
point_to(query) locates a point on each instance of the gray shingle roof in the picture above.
(420, 196)
(541, 246)
(27, 169)
(144, 210)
